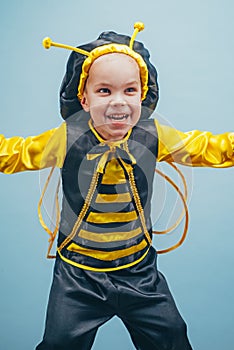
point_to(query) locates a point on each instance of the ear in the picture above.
(84, 103)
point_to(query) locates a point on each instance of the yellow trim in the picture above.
(106, 142)
(116, 198)
(108, 49)
(85, 267)
(110, 236)
(102, 218)
(106, 256)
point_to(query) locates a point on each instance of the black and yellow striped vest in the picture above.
(107, 187)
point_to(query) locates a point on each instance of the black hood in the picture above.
(69, 103)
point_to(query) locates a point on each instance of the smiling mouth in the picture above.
(118, 117)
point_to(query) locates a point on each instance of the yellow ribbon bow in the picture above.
(105, 151)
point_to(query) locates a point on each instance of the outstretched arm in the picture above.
(195, 148)
(34, 152)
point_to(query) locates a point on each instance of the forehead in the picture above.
(119, 63)
(115, 57)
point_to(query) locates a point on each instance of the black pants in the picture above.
(81, 301)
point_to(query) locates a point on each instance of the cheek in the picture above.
(98, 105)
(137, 106)
(137, 112)
(96, 108)
(97, 113)
(137, 101)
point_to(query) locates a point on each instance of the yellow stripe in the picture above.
(107, 256)
(96, 269)
(117, 198)
(103, 218)
(110, 236)
(114, 173)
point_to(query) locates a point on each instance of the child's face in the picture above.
(113, 95)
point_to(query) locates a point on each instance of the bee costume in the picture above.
(105, 262)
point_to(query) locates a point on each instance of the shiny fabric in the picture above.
(34, 152)
(88, 158)
(193, 148)
(81, 301)
(108, 237)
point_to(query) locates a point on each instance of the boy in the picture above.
(105, 263)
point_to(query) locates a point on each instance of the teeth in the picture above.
(118, 116)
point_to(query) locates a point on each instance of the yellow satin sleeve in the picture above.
(34, 152)
(195, 148)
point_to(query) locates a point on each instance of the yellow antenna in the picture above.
(47, 43)
(138, 27)
(105, 49)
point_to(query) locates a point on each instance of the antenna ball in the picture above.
(47, 43)
(139, 25)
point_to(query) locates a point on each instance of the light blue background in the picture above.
(191, 43)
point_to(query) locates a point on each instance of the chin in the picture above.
(114, 134)
(121, 133)
(117, 135)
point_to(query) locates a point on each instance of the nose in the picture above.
(117, 100)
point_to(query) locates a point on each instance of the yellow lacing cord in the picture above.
(83, 211)
(53, 233)
(137, 199)
(185, 195)
(141, 211)
(138, 205)
(184, 214)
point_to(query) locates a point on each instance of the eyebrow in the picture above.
(132, 82)
(105, 83)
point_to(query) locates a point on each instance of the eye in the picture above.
(130, 90)
(104, 91)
